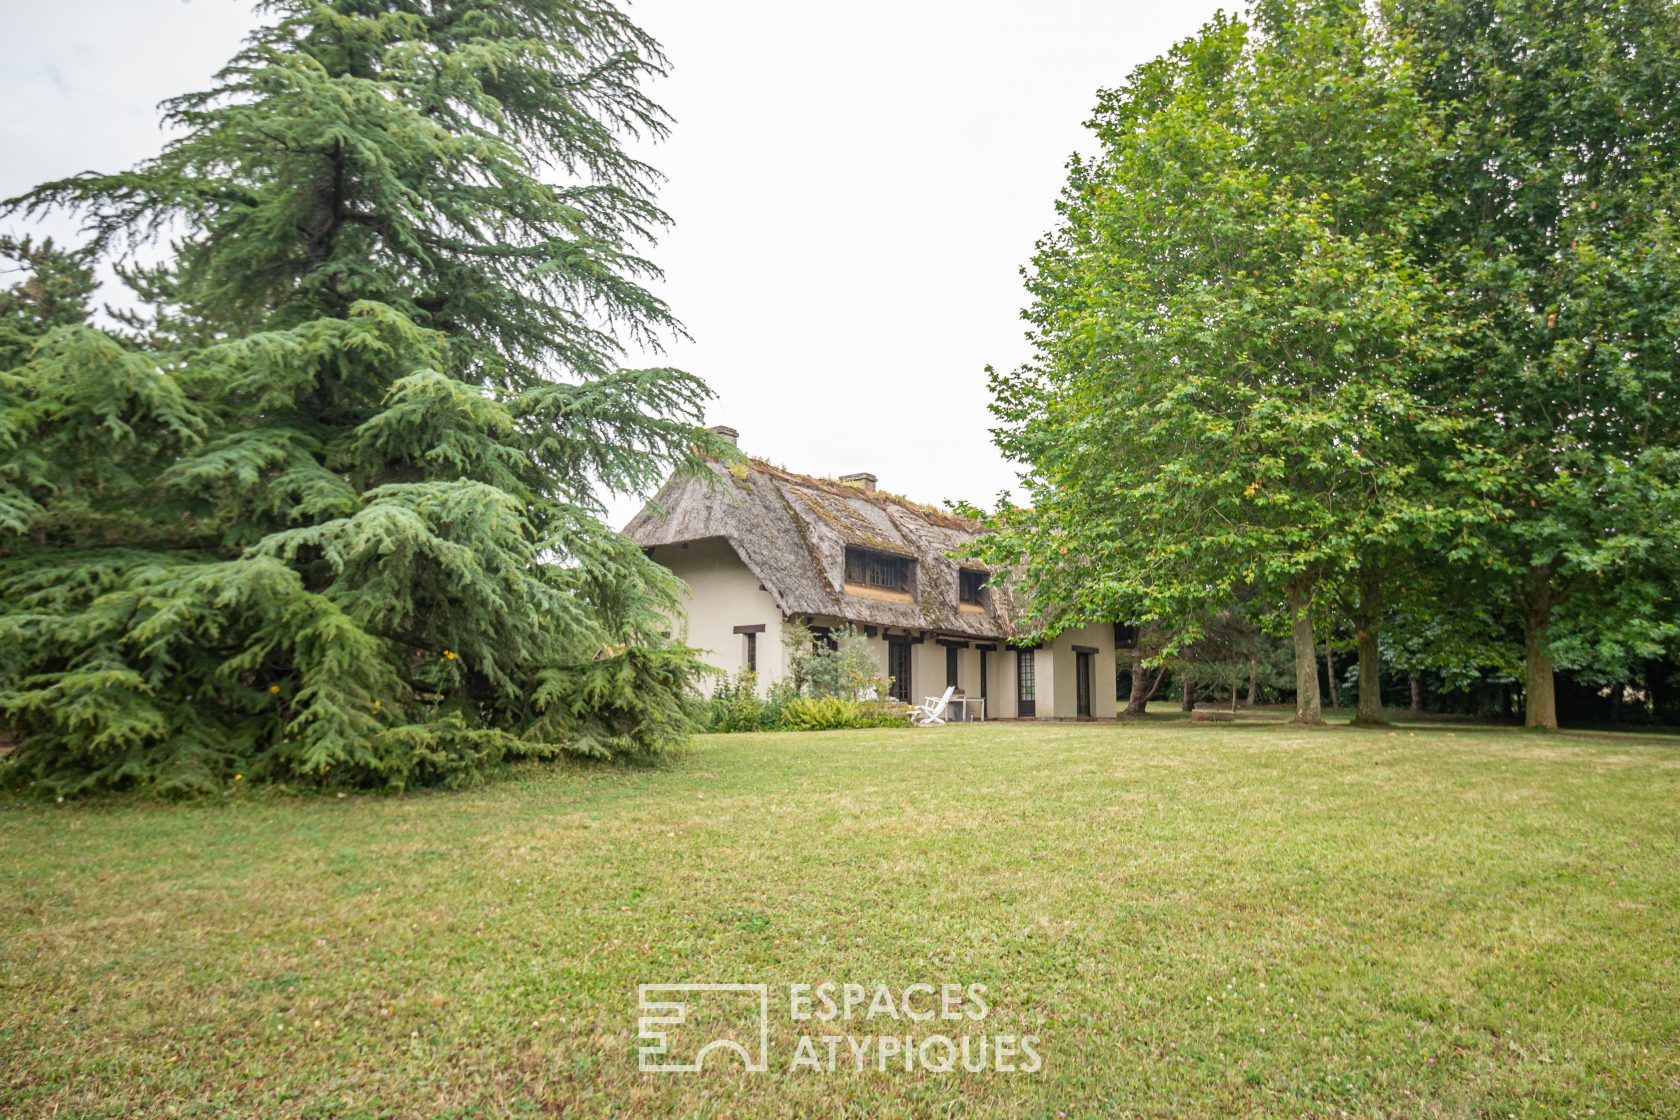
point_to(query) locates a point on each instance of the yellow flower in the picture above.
(273, 688)
(449, 655)
(239, 777)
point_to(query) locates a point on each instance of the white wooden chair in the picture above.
(932, 715)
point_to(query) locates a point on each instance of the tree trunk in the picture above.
(1540, 693)
(1330, 674)
(1253, 682)
(1417, 693)
(1370, 678)
(1616, 691)
(1484, 702)
(1367, 624)
(1307, 707)
(1143, 689)
(1188, 703)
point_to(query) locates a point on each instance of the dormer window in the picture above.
(879, 571)
(971, 586)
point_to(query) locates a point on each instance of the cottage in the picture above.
(760, 547)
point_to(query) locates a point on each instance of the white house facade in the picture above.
(758, 548)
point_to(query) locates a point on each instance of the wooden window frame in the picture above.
(750, 634)
(880, 571)
(1084, 682)
(970, 590)
(1026, 683)
(896, 648)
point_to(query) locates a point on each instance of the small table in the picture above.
(961, 704)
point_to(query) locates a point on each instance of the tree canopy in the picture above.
(1227, 323)
(1368, 314)
(327, 510)
(1557, 244)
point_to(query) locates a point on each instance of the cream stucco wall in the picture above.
(927, 666)
(1000, 688)
(1045, 663)
(1057, 678)
(928, 675)
(878, 647)
(722, 593)
(1064, 694)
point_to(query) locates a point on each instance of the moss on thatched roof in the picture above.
(792, 531)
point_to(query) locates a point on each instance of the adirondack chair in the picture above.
(932, 715)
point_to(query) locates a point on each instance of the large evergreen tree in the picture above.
(329, 512)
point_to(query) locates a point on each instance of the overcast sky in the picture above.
(854, 187)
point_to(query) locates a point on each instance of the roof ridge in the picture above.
(879, 497)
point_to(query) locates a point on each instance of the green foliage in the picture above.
(840, 664)
(1227, 649)
(821, 713)
(1370, 317)
(1226, 322)
(830, 713)
(327, 511)
(627, 705)
(53, 293)
(735, 705)
(1556, 242)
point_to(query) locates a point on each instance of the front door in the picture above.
(898, 668)
(1026, 695)
(1082, 674)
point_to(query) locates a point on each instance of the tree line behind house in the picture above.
(1363, 325)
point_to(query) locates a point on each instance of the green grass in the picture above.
(1195, 920)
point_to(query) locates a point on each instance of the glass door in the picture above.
(898, 668)
(1026, 694)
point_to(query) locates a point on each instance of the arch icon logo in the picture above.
(674, 1041)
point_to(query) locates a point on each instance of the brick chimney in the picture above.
(863, 479)
(726, 432)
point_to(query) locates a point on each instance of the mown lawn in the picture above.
(1206, 921)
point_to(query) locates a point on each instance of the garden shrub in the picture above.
(882, 713)
(840, 665)
(821, 713)
(735, 705)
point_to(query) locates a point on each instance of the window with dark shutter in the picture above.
(879, 570)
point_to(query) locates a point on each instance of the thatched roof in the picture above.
(792, 530)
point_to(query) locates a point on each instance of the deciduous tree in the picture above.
(1558, 244)
(1227, 322)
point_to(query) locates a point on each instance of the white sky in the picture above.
(855, 189)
